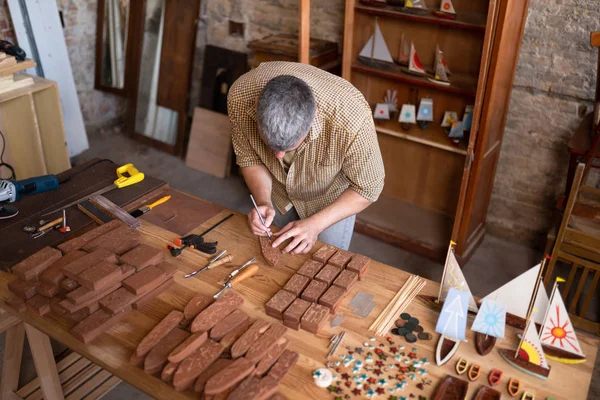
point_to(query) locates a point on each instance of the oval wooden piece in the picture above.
(158, 332)
(271, 356)
(255, 388)
(228, 340)
(157, 357)
(241, 346)
(451, 388)
(208, 373)
(195, 364)
(212, 314)
(187, 347)
(229, 377)
(168, 372)
(228, 324)
(285, 362)
(198, 303)
(258, 349)
(486, 393)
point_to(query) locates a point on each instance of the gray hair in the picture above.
(285, 111)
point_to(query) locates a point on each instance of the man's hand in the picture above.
(268, 213)
(304, 233)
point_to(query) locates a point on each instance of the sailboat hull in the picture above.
(522, 365)
(451, 388)
(484, 343)
(442, 83)
(370, 62)
(486, 393)
(562, 356)
(441, 14)
(445, 350)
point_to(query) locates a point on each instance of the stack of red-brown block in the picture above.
(214, 348)
(317, 289)
(92, 280)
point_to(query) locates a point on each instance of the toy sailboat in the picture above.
(449, 118)
(425, 114)
(468, 118)
(376, 53)
(489, 325)
(557, 334)
(440, 74)
(404, 55)
(452, 277)
(382, 111)
(452, 325)
(407, 116)
(414, 64)
(529, 356)
(446, 10)
(415, 7)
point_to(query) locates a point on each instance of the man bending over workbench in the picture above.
(306, 144)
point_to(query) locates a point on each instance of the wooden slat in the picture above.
(591, 291)
(570, 280)
(7, 321)
(103, 389)
(81, 378)
(348, 39)
(11, 365)
(585, 324)
(304, 39)
(45, 366)
(89, 386)
(11, 396)
(580, 286)
(63, 377)
(62, 365)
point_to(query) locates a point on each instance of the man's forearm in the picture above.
(349, 203)
(259, 181)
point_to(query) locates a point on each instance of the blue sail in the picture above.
(491, 318)
(453, 318)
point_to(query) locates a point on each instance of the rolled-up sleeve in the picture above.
(363, 164)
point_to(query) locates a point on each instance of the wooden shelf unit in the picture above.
(436, 190)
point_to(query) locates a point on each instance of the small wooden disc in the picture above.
(405, 316)
(414, 320)
(410, 325)
(399, 323)
(418, 329)
(425, 336)
(410, 337)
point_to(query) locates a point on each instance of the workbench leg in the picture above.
(11, 365)
(45, 366)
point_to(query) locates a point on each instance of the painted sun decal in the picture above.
(492, 322)
(559, 334)
(529, 352)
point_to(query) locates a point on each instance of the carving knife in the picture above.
(214, 262)
(143, 210)
(247, 273)
(261, 218)
(239, 269)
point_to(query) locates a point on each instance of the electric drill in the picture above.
(12, 50)
(11, 191)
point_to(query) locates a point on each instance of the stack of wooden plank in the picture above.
(214, 348)
(92, 280)
(317, 289)
(8, 79)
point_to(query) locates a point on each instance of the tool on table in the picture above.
(336, 342)
(12, 50)
(261, 218)
(64, 228)
(246, 273)
(143, 210)
(196, 241)
(127, 175)
(239, 269)
(48, 227)
(214, 262)
(11, 191)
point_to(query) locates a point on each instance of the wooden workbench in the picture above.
(112, 350)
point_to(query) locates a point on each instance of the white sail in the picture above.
(557, 329)
(531, 348)
(415, 4)
(491, 319)
(440, 69)
(379, 50)
(414, 64)
(454, 278)
(517, 293)
(408, 114)
(447, 7)
(382, 111)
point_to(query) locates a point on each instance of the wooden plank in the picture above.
(114, 210)
(591, 291)
(43, 358)
(50, 123)
(19, 66)
(11, 364)
(304, 32)
(347, 57)
(209, 147)
(578, 291)
(113, 349)
(62, 365)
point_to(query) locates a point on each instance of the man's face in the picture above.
(280, 154)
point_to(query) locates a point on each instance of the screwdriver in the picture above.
(214, 262)
(250, 271)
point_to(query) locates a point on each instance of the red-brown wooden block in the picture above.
(278, 303)
(328, 274)
(297, 284)
(142, 256)
(83, 295)
(148, 297)
(145, 280)
(82, 240)
(310, 268)
(100, 276)
(359, 264)
(74, 268)
(17, 303)
(168, 268)
(39, 304)
(117, 301)
(314, 318)
(340, 259)
(23, 289)
(53, 274)
(31, 267)
(117, 241)
(346, 280)
(294, 313)
(96, 324)
(271, 356)
(332, 297)
(47, 289)
(324, 253)
(314, 290)
(61, 311)
(158, 332)
(287, 360)
(68, 285)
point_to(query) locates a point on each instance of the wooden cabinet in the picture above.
(437, 190)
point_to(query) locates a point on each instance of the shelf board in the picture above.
(406, 225)
(472, 22)
(434, 136)
(460, 84)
